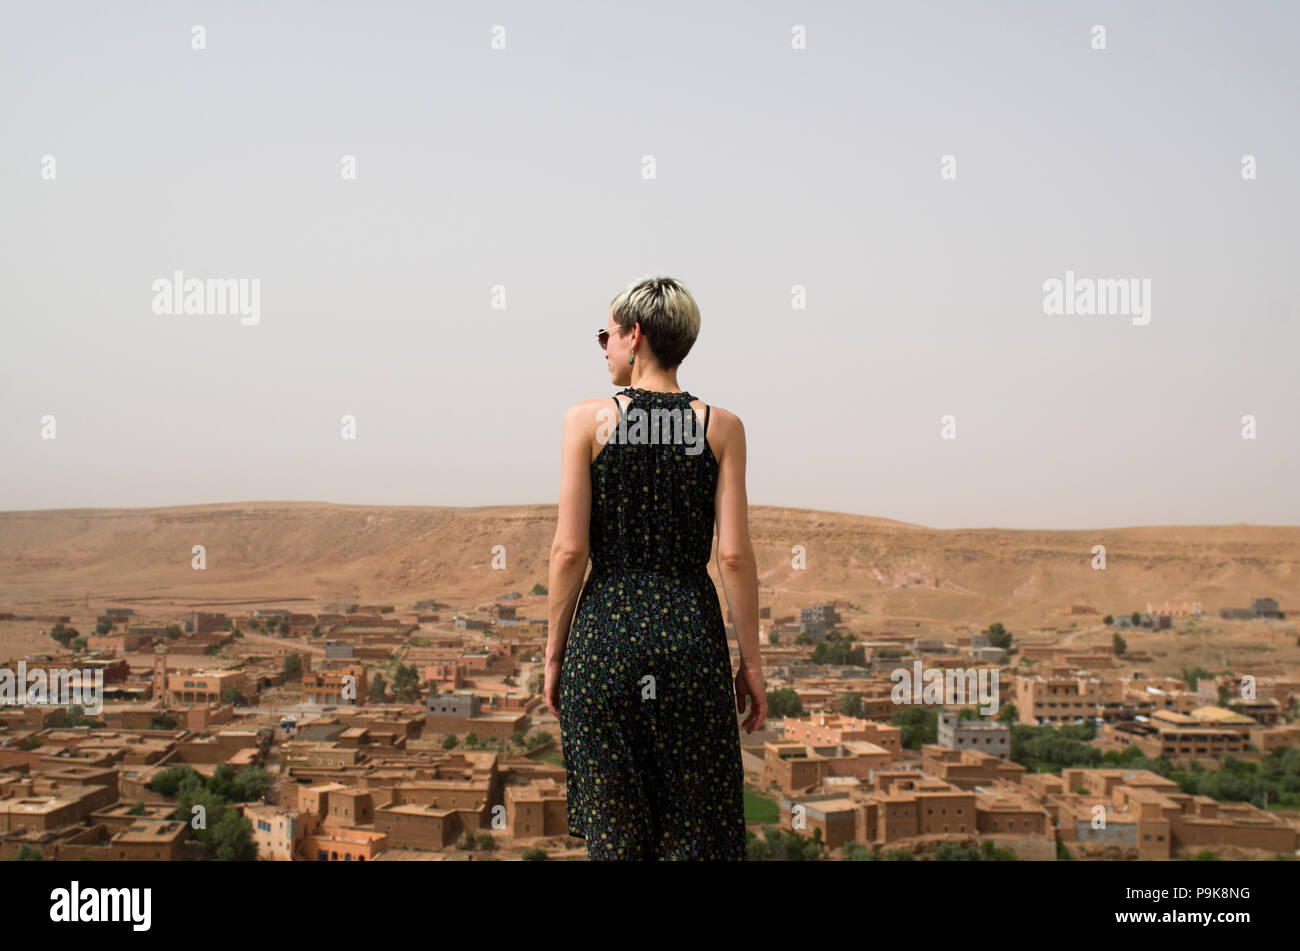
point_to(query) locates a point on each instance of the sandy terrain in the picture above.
(304, 555)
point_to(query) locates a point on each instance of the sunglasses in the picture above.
(602, 335)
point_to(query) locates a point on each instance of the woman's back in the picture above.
(647, 709)
(653, 485)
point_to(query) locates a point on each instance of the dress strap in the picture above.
(706, 417)
(619, 408)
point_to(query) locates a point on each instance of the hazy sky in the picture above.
(775, 168)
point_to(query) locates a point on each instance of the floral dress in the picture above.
(648, 717)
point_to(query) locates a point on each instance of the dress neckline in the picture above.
(637, 391)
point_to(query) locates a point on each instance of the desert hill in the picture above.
(319, 552)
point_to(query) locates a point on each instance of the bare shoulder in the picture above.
(590, 421)
(725, 430)
(587, 412)
(724, 418)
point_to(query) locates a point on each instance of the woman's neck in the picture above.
(660, 382)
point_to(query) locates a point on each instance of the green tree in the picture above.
(540, 739)
(1049, 748)
(63, 634)
(228, 836)
(250, 784)
(952, 852)
(839, 651)
(231, 839)
(1119, 644)
(992, 853)
(1063, 853)
(293, 665)
(783, 845)
(406, 683)
(999, 636)
(920, 725)
(856, 852)
(784, 703)
(168, 782)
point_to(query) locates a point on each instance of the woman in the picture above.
(642, 684)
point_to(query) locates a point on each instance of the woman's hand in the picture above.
(749, 683)
(551, 690)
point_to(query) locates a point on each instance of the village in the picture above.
(379, 732)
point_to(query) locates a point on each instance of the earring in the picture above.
(631, 359)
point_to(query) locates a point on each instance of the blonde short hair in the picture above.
(667, 313)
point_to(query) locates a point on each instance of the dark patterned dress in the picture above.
(648, 717)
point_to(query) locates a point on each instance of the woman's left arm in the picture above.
(572, 545)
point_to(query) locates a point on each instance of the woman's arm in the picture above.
(736, 563)
(572, 544)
